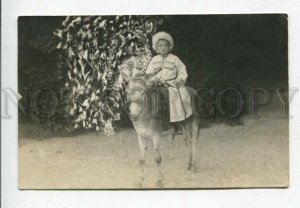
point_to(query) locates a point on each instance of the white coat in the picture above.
(169, 69)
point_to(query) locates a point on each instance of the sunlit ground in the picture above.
(251, 155)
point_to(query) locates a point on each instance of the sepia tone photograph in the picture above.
(153, 101)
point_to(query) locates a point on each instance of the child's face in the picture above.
(162, 47)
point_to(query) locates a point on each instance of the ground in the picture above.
(251, 155)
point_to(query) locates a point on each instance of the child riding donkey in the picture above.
(168, 69)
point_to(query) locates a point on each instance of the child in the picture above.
(169, 69)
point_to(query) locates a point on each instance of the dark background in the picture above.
(251, 49)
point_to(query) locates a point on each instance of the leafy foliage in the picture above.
(96, 48)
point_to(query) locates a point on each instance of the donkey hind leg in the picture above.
(192, 132)
(173, 134)
(195, 134)
(158, 159)
(142, 157)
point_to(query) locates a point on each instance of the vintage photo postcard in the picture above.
(153, 101)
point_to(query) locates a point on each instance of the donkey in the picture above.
(147, 125)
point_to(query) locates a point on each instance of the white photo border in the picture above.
(12, 197)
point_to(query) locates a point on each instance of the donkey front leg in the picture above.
(142, 157)
(189, 137)
(158, 159)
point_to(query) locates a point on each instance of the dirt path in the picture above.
(254, 154)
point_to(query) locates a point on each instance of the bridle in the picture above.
(143, 102)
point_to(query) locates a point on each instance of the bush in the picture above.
(95, 48)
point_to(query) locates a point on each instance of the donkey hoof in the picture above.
(192, 168)
(159, 183)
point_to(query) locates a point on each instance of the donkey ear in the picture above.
(124, 75)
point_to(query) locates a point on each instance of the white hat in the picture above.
(162, 36)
